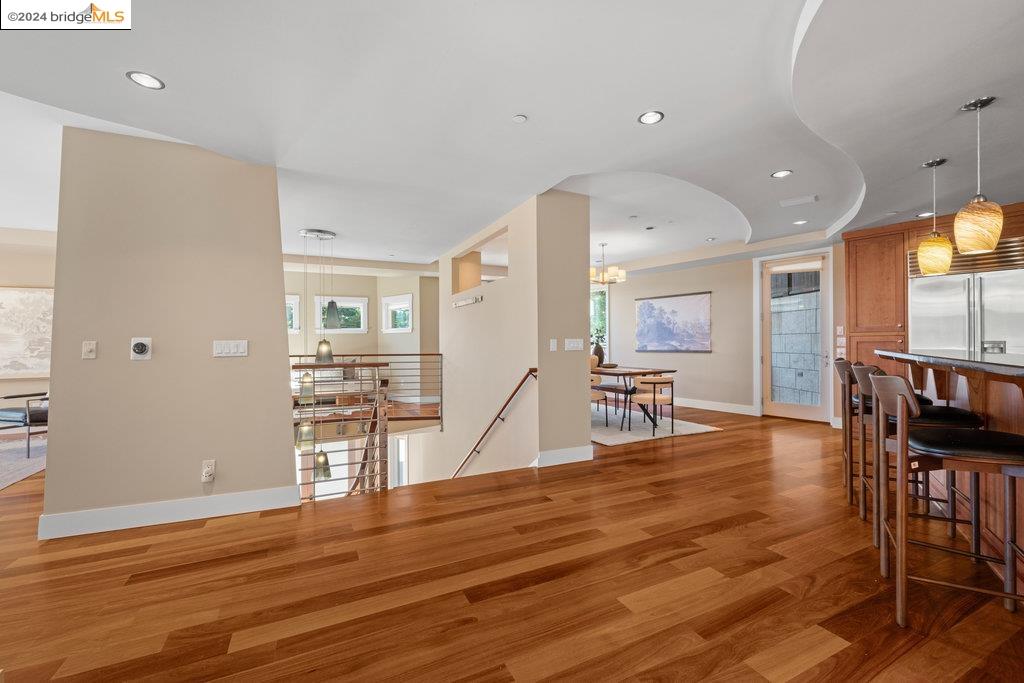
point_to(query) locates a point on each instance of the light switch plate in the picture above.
(88, 350)
(840, 330)
(553, 345)
(573, 345)
(230, 348)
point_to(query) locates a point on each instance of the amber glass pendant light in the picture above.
(935, 253)
(979, 223)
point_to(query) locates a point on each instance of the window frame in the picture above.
(320, 302)
(396, 301)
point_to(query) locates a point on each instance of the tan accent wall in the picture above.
(27, 259)
(182, 245)
(563, 311)
(488, 346)
(343, 285)
(726, 375)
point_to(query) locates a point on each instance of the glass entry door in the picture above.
(794, 342)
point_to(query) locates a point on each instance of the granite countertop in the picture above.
(1005, 364)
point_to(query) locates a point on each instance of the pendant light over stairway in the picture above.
(935, 253)
(324, 354)
(979, 223)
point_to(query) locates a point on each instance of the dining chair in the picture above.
(36, 413)
(649, 393)
(598, 396)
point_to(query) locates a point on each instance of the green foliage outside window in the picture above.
(399, 318)
(598, 316)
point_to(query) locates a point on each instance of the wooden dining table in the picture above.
(627, 375)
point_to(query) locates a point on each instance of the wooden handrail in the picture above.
(532, 372)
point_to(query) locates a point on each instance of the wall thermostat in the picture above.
(142, 348)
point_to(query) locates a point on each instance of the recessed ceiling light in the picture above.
(800, 222)
(650, 117)
(782, 173)
(145, 80)
(633, 218)
(649, 227)
(926, 214)
(891, 213)
(520, 118)
(711, 239)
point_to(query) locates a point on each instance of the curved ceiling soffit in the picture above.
(803, 26)
(619, 194)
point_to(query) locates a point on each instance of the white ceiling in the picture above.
(391, 122)
(888, 92)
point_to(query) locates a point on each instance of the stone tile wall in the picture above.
(796, 349)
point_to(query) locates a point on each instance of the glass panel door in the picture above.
(794, 358)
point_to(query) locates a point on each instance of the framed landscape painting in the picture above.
(678, 323)
(26, 321)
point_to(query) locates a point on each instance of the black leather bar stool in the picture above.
(971, 450)
(930, 416)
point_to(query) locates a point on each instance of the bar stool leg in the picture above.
(975, 515)
(862, 457)
(926, 491)
(1010, 532)
(951, 501)
(882, 513)
(902, 498)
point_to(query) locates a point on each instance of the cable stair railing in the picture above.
(532, 372)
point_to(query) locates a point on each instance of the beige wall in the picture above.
(182, 245)
(726, 375)
(488, 346)
(563, 311)
(343, 285)
(27, 259)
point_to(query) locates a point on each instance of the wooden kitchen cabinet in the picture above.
(876, 284)
(862, 348)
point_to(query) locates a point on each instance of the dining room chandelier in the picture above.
(606, 275)
(935, 253)
(979, 223)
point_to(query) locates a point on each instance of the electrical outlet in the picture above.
(209, 471)
(88, 350)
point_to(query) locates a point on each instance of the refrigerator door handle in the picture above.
(970, 316)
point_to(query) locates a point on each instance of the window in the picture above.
(351, 309)
(399, 454)
(396, 313)
(599, 316)
(292, 313)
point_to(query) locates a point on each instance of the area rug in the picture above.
(14, 466)
(611, 436)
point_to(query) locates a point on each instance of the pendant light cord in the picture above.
(305, 293)
(934, 230)
(979, 149)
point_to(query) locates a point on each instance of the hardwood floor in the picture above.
(729, 556)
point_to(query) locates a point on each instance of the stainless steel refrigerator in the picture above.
(977, 316)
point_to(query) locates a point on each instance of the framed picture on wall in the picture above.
(26, 324)
(678, 323)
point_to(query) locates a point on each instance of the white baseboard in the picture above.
(92, 521)
(561, 456)
(836, 422)
(739, 408)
